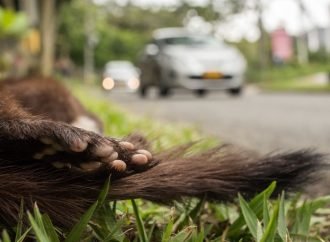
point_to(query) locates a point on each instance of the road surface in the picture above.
(262, 122)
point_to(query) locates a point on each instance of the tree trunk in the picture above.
(262, 50)
(47, 26)
(302, 48)
(8, 4)
(89, 45)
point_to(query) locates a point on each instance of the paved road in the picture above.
(263, 122)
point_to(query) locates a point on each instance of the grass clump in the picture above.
(260, 220)
(291, 78)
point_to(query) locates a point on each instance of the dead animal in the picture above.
(52, 152)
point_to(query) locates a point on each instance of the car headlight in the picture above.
(133, 83)
(108, 83)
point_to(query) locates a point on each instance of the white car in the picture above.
(121, 76)
(178, 58)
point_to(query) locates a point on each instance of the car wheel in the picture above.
(164, 91)
(143, 91)
(201, 92)
(235, 91)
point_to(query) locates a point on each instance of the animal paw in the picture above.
(65, 146)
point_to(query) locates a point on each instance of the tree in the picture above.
(47, 28)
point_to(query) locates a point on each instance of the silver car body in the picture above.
(192, 61)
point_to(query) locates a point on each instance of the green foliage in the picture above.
(139, 224)
(12, 24)
(119, 36)
(39, 226)
(117, 44)
(290, 77)
(287, 72)
(78, 229)
(121, 30)
(250, 218)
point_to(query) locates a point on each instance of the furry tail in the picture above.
(219, 173)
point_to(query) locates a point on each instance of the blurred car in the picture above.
(178, 58)
(121, 76)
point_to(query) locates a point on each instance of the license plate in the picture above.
(212, 75)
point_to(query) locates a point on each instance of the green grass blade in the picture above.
(41, 236)
(151, 231)
(183, 235)
(199, 236)
(5, 236)
(115, 231)
(256, 204)
(38, 219)
(196, 211)
(104, 193)
(98, 232)
(190, 213)
(306, 215)
(304, 238)
(22, 238)
(139, 223)
(259, 231)
(51, 231)
(20, 221)
(265, 211)
(319, 203)
(79, 228)
(281, 227)
(168, 231)
(249, 216)
(271, 228)
(302, 222)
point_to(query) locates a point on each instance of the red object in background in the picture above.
(281, 45)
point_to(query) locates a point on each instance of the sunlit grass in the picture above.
(294, 86)
(120, 123)
(292, 78)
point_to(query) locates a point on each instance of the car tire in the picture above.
(164, 92)
(201, 92)
(235, 91)
(143, 91)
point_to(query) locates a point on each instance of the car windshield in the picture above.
(119, 65)
(190, 40)
(120, 68)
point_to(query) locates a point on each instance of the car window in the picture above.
(190, 40)
(120, 68)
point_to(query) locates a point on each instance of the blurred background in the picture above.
(252, 72)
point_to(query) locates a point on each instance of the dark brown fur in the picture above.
(45, 98)
(37, 107)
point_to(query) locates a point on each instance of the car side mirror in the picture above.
(152, 50)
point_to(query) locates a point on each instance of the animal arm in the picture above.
(45, 159)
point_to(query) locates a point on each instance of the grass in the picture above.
(294, 86)
(289, 78)
(119, 123)
(260, 219)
